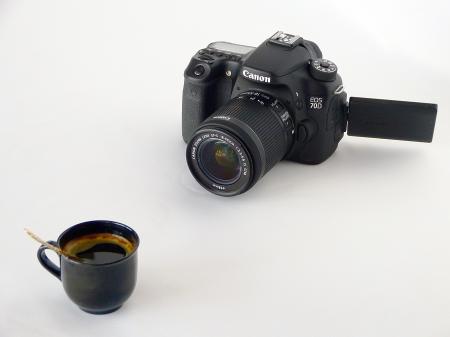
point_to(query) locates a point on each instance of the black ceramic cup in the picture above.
(95, 288)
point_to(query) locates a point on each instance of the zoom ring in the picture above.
(269, 120)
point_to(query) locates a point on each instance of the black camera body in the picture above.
(281, 100)
(317, 104)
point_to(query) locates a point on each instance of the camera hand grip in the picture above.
(47, 263)
(195, 107)
(388, 119)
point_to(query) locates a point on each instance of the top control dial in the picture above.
(323, 70)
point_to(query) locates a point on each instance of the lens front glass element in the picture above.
(219, 161)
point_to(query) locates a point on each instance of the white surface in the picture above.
(90, 104)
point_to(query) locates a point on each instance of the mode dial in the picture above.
(323, 70)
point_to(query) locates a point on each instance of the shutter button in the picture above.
(199, 70)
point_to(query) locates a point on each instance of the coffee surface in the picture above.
(99, 248)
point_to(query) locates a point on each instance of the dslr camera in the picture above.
(246, 108)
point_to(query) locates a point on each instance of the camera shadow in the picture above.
(351, 161)
(369, 156)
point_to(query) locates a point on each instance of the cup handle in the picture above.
(47, 263)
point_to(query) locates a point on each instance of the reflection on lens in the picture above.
(219, 161)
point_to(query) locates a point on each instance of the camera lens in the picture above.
(233, 148)
(219, 161)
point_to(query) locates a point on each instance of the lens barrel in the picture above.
(233, 148)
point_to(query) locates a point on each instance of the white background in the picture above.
(90, 128)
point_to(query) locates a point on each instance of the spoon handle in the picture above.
(56, 249)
